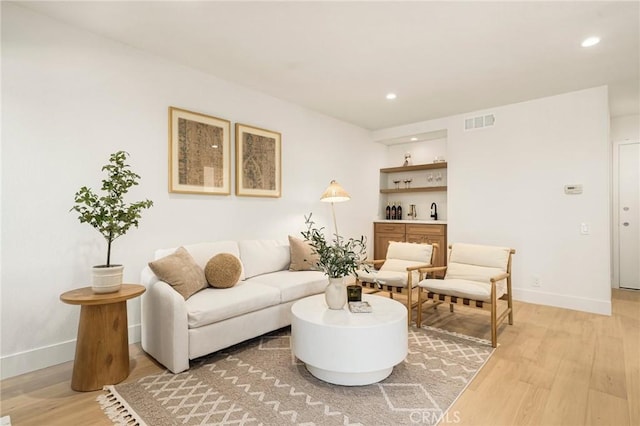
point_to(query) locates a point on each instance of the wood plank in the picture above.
(531, 409)
(631, 348)
(606, 410)
(608, 372)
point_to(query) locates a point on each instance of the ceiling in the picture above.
(342, 58)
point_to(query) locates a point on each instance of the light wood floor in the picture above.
(553, 367)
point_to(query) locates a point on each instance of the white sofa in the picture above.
(175, 330)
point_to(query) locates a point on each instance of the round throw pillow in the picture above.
(223, 270)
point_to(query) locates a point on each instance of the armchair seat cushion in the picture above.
(465, 289)
(400, 256)
(390, 278)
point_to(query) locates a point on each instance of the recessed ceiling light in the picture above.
(590, 41)
(391, 96)
(414, 139)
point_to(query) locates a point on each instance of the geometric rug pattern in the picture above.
(260, 382)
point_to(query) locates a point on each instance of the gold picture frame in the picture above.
(199, 153)
(258, 162)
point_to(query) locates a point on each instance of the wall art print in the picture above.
(199, 153)
(258, 162)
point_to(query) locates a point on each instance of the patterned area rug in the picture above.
(259, 382)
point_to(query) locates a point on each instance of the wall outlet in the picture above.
(535, 282)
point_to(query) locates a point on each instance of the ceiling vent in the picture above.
(479, 122)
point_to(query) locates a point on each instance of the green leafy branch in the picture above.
(340, 258)
(109, 214)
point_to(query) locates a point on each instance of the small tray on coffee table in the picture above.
(360, 307)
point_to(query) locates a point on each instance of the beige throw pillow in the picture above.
(181, 272)
(302, 256)
(223, 270)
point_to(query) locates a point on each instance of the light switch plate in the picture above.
(573, 189)
(585, 229)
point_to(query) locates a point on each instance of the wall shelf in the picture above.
(415, 168)
(422, 189)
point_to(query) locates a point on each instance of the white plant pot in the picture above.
(107, 279)
(336, 293)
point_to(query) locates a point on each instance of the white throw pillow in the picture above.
(263, 256)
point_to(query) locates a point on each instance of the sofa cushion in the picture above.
(223, 270)
(202, 252)
(216, 304)
(263, 256)
(180, 270)
(302, 255)
(293, 285)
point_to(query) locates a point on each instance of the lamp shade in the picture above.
(334, 193)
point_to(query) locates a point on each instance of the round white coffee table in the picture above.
(346, 348)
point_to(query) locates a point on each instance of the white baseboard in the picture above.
(584, 304)
(35, 359)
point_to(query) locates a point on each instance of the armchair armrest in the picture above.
(374, 262)
(418, 268)
(499, 277)
(433, 269)
(415, 268)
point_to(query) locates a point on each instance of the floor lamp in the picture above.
(334, 194)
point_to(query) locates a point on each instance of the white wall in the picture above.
(625, 127)
(506, 188)
(69, 99)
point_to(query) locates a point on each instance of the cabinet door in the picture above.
(429, 234)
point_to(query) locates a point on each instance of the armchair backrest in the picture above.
(477, 262)
(400, 256)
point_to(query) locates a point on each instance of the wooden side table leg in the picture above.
(102, 349)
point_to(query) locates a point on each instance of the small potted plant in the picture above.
(337, 259)
(110, 215)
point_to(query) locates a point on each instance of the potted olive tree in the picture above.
(110, 215)
(337, 259)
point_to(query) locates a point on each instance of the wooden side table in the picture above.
(102, 348)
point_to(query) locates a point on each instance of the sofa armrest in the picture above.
(165, 332)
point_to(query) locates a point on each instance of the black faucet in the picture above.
(434, 211)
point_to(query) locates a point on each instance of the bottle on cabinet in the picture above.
(393, 212)
(399, 212)
(388, 212)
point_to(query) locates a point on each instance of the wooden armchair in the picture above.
(400, 272)
(477, 277)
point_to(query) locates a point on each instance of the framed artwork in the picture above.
(258, 162)
(199, 153)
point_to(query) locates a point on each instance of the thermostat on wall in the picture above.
(573, 189)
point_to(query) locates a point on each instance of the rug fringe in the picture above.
(118, 411)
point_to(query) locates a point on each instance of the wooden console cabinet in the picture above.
(384, 232)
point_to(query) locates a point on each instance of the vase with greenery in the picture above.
(337, 258)
(109, 214)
